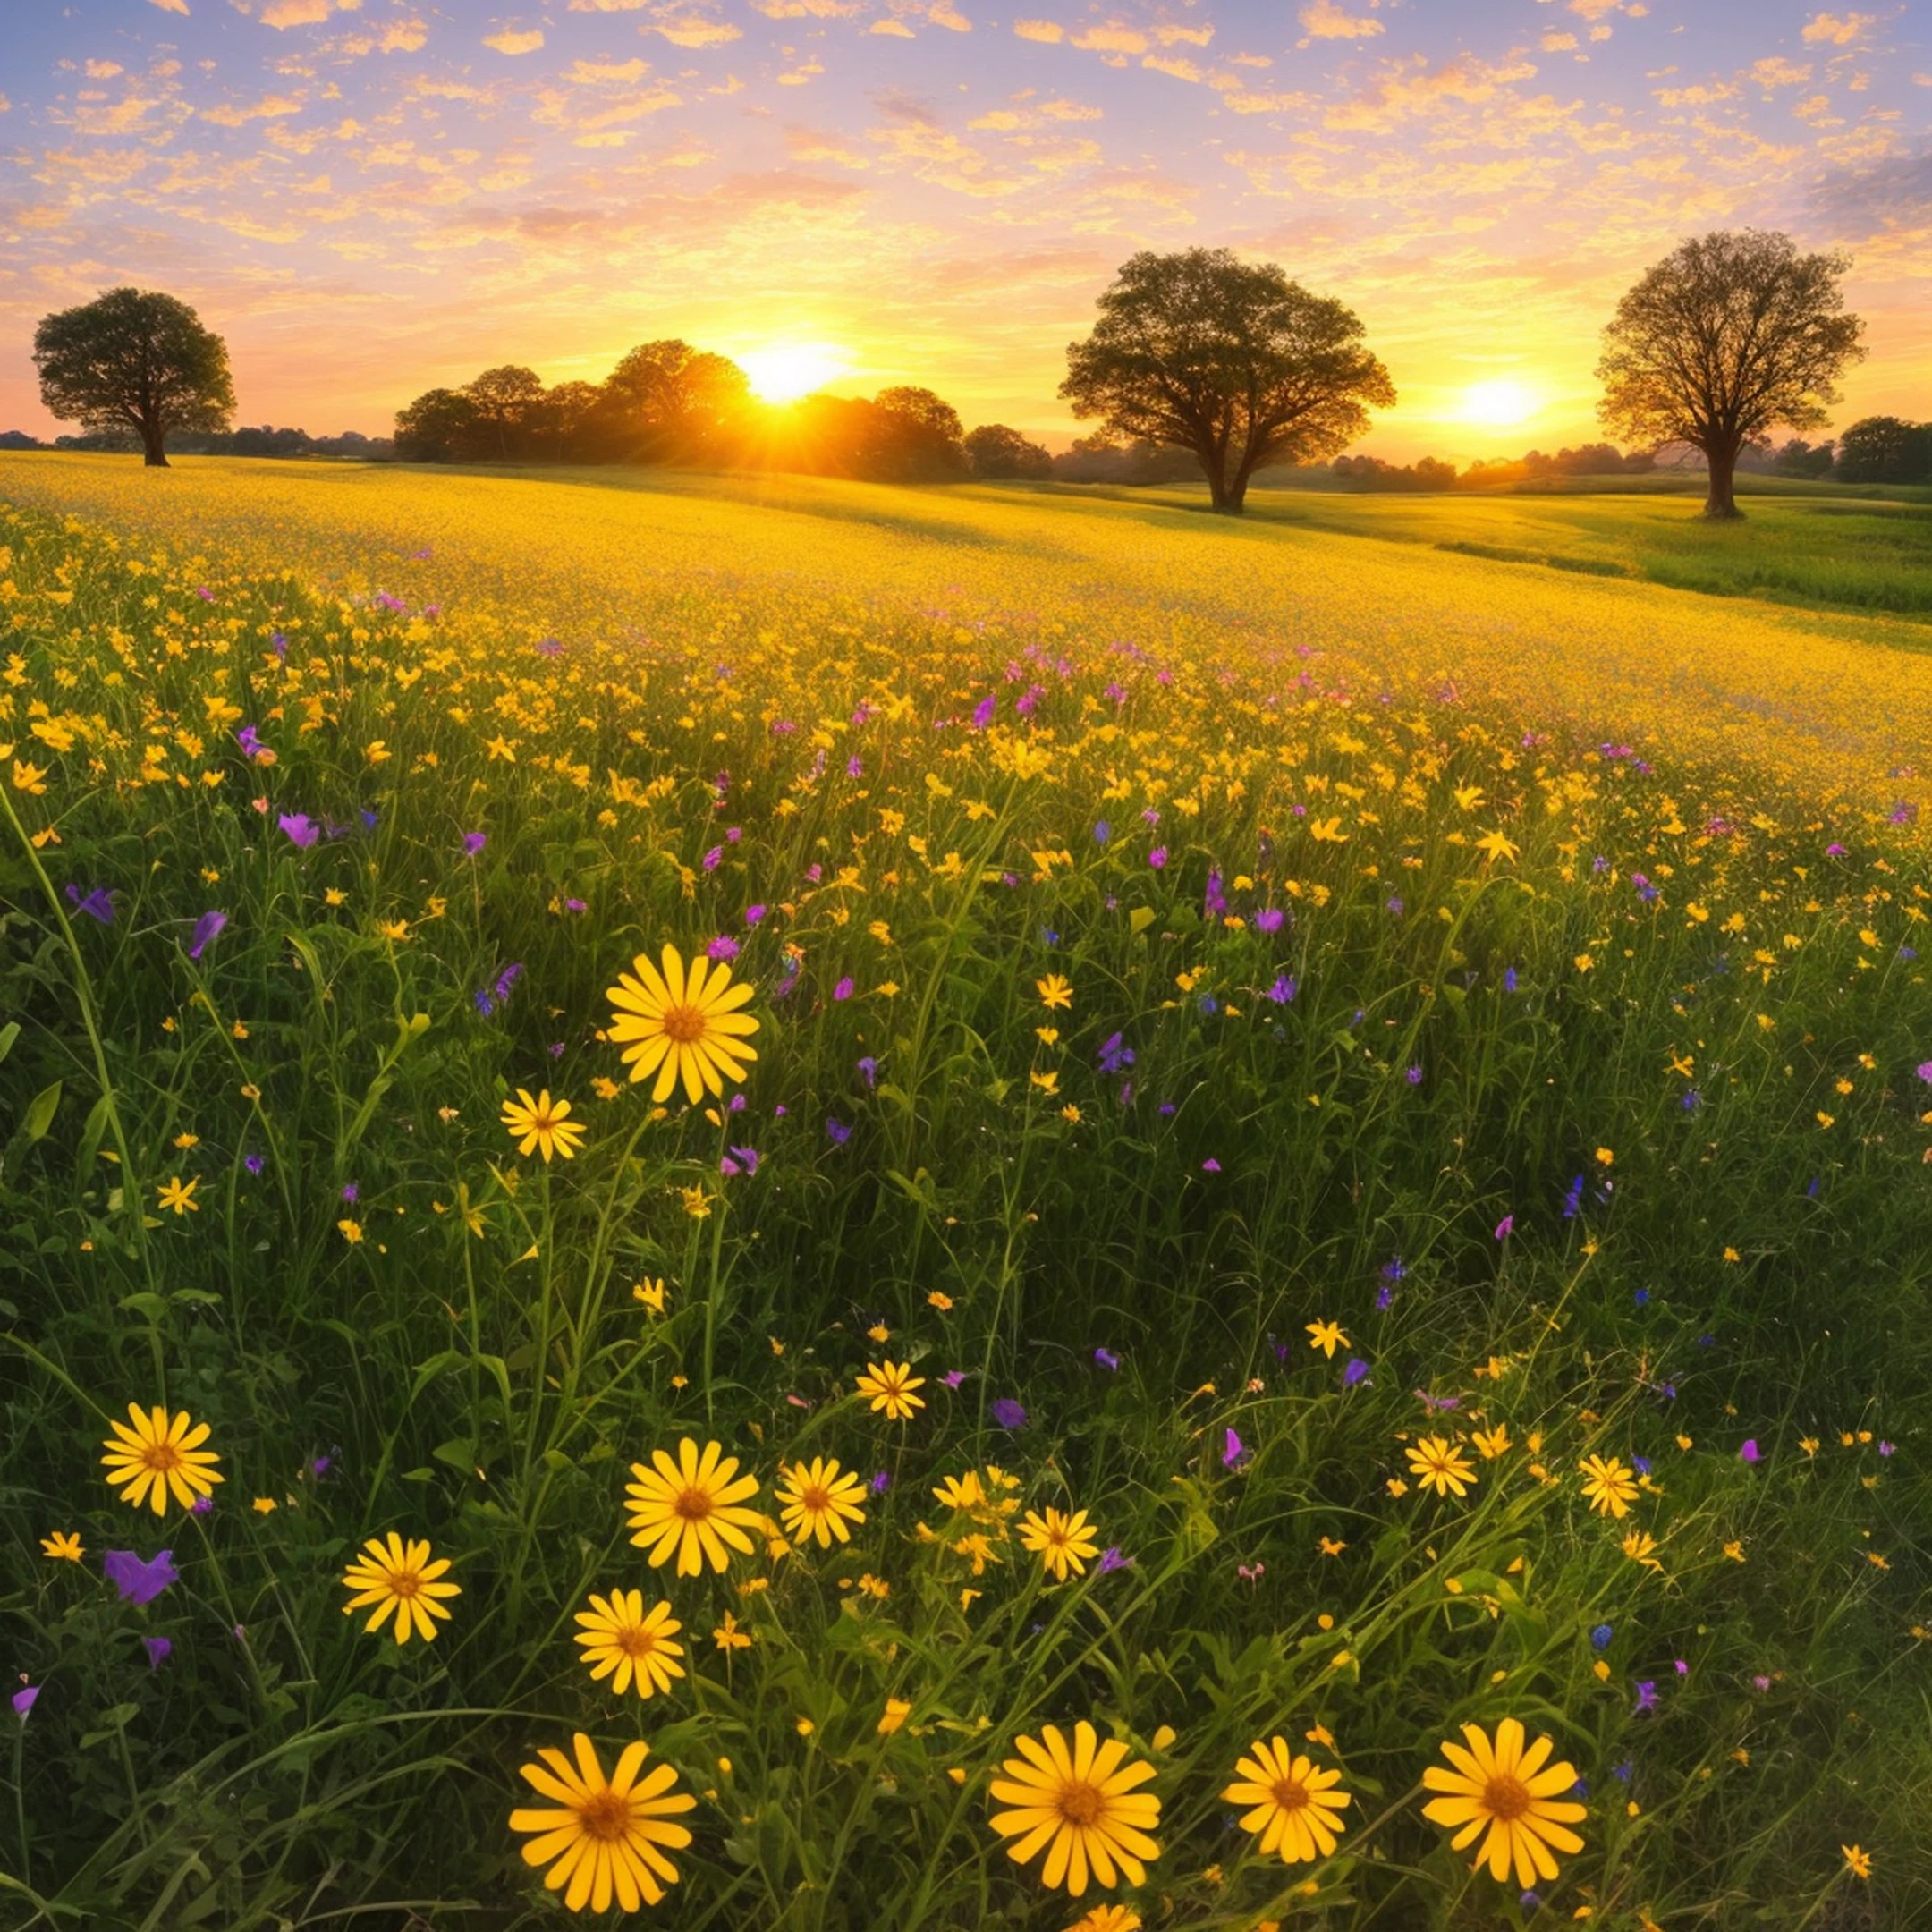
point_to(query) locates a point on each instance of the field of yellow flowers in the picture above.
(786, 1204)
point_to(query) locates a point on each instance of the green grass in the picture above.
(1822, 548)
(474, 1367)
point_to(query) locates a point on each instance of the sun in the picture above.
(786, 371)
(1499, 403)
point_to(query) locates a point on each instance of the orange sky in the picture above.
(368, 198)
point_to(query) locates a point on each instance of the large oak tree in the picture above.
(1729, 335)
(1227, 359)
(135, 360)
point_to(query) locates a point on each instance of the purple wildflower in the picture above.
(1268, 919)
(1356, 1370)
(837, 1132)
(1009, 1414)
(724, 947)
(474, 842)
(96, 904)
(953, 1377)
(844, 989)
(301, 829)
(1107, 1358)
(1158, 858)
(1506, 1227)
(1234, 1451)
(881, 1482)
(1646, 1694)
(868, 1070)
(158, 1649)
(1115, 1057)
(1111, 1559)
(207, 929)
(753, 914)
(254, 1162)
(1283, 991)
(1750, 1453)
(24, 1702)
(138, 1581)
(1102, 833)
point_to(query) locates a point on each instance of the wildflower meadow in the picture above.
(771, 1203)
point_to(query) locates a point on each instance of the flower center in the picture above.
(1290, 1794)
(605, 1816)
(693, 1504)
(1081, 1804)
(404, 1582)
(815, 1502)
(636, 1641)
(161, 1457)
(684, 1024)
(1505, 1797)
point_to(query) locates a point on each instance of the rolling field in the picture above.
(1300, 1150)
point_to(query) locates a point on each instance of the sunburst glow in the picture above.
(786, 371)
(1499, 403)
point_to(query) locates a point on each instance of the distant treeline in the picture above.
(262, 442)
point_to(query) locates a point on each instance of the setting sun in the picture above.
(1499, 403)
(788, 370)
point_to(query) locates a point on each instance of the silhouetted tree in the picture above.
(137, 360)
(440, 426)
(1229, 360)
(994, 451)
(924, 443)
(1886, 449)
(669, 402)
(1729, 335)
(567, 408)
(507, 400)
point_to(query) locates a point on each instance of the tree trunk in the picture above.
(1211, 466)
(153, 440)
(1719, 503)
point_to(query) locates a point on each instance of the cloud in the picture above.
(941, 13)
(1777, 71)
(587, 73)
(800, 9)
(170, 6)
(1178, 35)
(799, 76)
(897, 29)
(1112, 38)
(285, 13)
(269, 109)
(1699, 95)
(7, 106)
(1323, 20)
(607, 7)
(1413, 88)
(1839, 32)
(398, 36)
(692, 30)
(508, 42)
(1045, 31)
(1066, 110)
(1558, 43)
(1169, 63)
(100, 69)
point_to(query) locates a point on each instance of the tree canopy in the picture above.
(1731, 335)
(1229, 360)
(135, 360)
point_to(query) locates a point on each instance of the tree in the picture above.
(669, 402)
(1886, 449)
(1727, 337)
(137, 360)
(1229, 360)
(995, 450)
(568, 407)
(440, 426)
(923, 439)
(506, 401)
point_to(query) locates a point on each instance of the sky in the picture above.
(372, 197)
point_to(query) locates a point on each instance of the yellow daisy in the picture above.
(1438, 1464)
(889, 1385)
(155, 1457)
(1509, 1793)
(398, 1578)
(603, 1838)
(818, 1500)
(1081, 1805)
(1108, 1918)
(543, 1125)
(682, 1024)
(1061, 1541)
(621, 1643)
(1294, 1809)
(62, 1545)
(1610, 1486)
(692, 1506)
